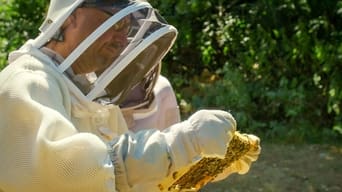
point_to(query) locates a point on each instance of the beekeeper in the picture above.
(61, 128)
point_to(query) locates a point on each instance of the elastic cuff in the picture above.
(121, 181)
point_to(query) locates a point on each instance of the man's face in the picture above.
(105, 49)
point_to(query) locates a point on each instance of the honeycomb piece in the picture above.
(195, 176)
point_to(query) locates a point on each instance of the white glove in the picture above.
(206, 133)
(145, 158)
(214, 129)
(243, 165)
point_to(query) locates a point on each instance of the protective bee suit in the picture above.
(160, 112)
(61, 130)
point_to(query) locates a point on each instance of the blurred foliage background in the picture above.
(276, 65)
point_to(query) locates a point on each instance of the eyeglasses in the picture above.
(124, 25)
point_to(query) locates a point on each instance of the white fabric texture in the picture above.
(205, 134)
(160, 114)
(41, 149)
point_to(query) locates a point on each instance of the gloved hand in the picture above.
(213, 131)
(243, 165)
(206, 133)
(144, 158)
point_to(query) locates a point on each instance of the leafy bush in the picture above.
(19, 21)
(287, 54)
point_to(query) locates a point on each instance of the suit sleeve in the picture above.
(41, 149)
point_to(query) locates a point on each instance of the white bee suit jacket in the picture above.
(42, 147)
(50, 141)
